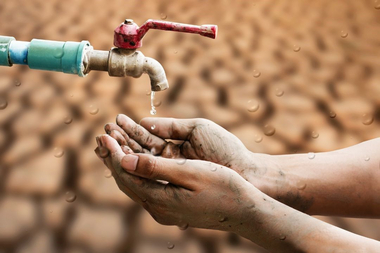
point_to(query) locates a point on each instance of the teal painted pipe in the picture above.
(4, 50)
(66, 57)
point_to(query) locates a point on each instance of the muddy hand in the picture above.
(198, 193)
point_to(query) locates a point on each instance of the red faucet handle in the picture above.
(129, 36)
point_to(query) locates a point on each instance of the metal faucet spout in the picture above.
(156, 73)
(125, 62)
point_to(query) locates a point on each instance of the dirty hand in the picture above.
(197, 194)
(201, 139)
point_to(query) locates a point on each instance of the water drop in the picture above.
(258, 138)
(183, 226)
(163, 16)
(153, 110)
(58, 53)
(367, 119)
(253, 105)
(279, 92)
(103, 152)
(175, 52)
(223, 219)
(170, 245)
(58, 152)
(107, 173)
(70, 196)
(282, 237)
(67, 119)
(71, 95)
(314, 134)
(269, 130)
(153, 127)
(377, 5)
(157, 104)
(213, 169)
(332, 114)
(181, 161)
(3, 103)
(148, 93)
(17, 83)
(93, 109)
(343, 34)
(311, 155)
(256, 73)
(301, 186)
(296, 48)
(366, 159)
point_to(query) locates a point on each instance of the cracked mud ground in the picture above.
(322, 55)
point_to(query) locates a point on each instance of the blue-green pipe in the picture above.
(49, 55)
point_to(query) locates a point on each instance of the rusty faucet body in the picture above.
(80, 58)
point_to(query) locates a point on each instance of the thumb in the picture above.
(180, 172)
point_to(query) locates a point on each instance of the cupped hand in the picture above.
(200, 139)
(197, 193)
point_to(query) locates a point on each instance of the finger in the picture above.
(126, 149)
(131, 143)
(171, 151)
(116, 153)
(118, 137)
(170, 128)
(175, 171)
(188, 151)
(141, 135)
(98, 155)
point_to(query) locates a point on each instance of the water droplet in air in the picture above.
(296, 48)
(258, 138)
(256, 73)
(103, 152)
(148, 93)
(153, 127)
(58, 152)
(157, 104)
(253, 105)
(366, 159)
(279, 92)
(17, 82)
(163, 16)
(332, 114)
(213, 169)
(71, 95)
(377, 5)
(93, 109)
(367, 119)
(175, 52)
(183, 226)
(67, 119)
(269, 130)
(343, 34)
(107, 173)
(311, 155)
(3, 103)
(153, 110)
(314, 134)
(282, 237)
(170, 245)
(181, 161)
(70, 196)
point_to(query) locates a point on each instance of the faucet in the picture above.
(80, 58)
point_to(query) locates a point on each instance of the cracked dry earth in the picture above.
(310, 69)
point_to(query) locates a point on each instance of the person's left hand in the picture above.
(197, 193)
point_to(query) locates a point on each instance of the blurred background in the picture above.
(308, 69)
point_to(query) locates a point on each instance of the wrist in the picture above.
(266, 174)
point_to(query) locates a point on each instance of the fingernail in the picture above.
(107, 128)
(129, 162)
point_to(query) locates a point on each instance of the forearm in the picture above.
(342, 182)
(280, 228)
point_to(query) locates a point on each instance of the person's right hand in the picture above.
(201, 139)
